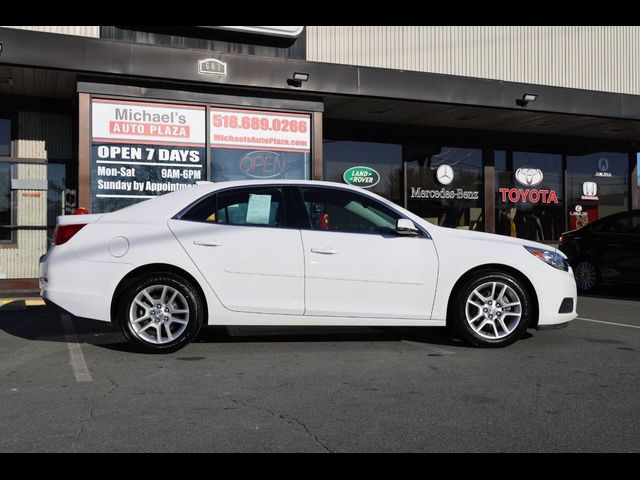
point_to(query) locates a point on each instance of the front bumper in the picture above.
(553, 287)
(555, 326)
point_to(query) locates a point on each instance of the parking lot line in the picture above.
(77, 363)
(608, 323)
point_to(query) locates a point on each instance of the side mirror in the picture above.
(404, 226)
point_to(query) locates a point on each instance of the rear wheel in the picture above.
(492, 309)
(160, 313)
(587, 275)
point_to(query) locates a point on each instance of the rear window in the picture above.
(628, 222)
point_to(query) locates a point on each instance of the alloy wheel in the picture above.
(493, 310)
(159, 314)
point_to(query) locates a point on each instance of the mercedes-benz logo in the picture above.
(444, 174)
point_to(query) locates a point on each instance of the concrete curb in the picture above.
(13, 304)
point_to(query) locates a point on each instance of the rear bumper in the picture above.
(80, 287)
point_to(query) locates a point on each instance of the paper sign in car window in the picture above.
(259, 209)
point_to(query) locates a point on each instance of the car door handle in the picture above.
(208, 243)
(325, 250)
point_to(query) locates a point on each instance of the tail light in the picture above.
(562, 240)
(63, 233)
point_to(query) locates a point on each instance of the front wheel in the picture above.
(160, 313)
(492, 309)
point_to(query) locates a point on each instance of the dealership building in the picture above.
(519, 130)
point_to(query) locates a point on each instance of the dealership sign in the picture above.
(603, 169)
(263, 164)
(590, 191)
(528, 177)
(142, 149)
(364, 177)
(444, 174)
(257, 129)
(444, 194)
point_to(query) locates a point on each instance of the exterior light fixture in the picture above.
(298, 78)
(303, 77)
(526, 98)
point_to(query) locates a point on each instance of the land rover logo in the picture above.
(212, 66)
(364, 177)
(529, 177)
(444, 174)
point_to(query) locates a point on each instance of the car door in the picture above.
(357, 265)
(244, 242)
(618, 243)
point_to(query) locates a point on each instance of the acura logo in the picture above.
(444, 174)
(603, 164)
(529, 177)
(589, 189)
(603, 167)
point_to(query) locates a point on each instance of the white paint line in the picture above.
(78, 364)
(608, 323)
(426, 346)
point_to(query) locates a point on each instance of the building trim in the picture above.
(84, 150)
(188, 95)
(89, 55)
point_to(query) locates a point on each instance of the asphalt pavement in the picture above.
(75, 385)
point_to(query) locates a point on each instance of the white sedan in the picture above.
(297, 253)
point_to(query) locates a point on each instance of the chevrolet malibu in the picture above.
(297, 253)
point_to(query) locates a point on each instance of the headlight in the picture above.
(552, 258)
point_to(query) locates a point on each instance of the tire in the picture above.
(167, 324)
(480, 315)
(587, 275)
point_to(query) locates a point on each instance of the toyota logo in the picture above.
(444, 174)
(529, 177)
(589, 189)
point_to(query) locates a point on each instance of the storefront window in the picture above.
(56, 175)
(5, 137)
(256, 144)
(445, 185)
(140, 150)
(382, 164)
(598, 186)
(529, 195)
(6, 210)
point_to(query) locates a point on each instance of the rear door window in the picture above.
(259, 206)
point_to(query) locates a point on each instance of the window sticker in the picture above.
(259, 209)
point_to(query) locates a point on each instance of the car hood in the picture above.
(454, 233)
